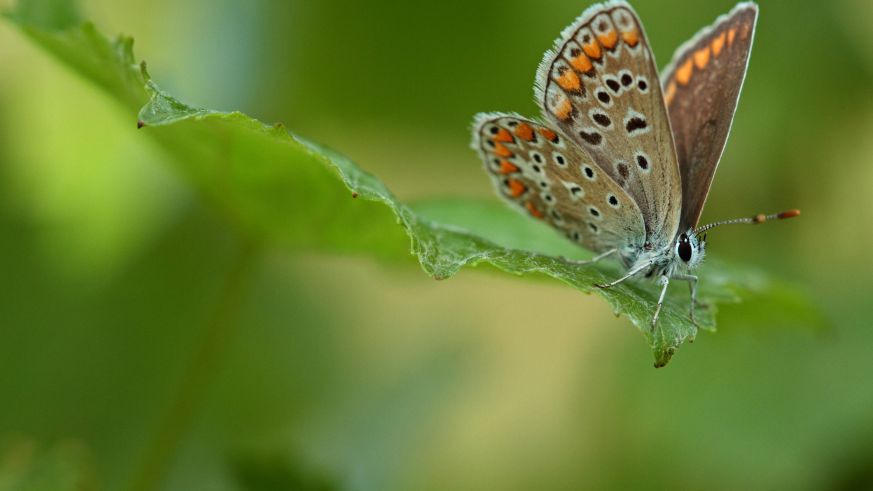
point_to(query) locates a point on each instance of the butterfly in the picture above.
(623, 160)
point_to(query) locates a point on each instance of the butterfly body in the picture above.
(623, 159)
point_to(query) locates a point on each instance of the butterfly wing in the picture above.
(701, 88)
(546, 175)
(599, 85)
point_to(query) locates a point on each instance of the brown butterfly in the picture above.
(623, 163)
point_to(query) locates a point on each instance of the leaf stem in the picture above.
(206, 359)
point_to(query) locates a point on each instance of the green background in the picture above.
(319, 370)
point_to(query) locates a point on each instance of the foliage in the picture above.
(279, 188)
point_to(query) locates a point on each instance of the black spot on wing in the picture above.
(622, 170)
(643, 162)
(636, 123)
(602, 120)
(591, 137)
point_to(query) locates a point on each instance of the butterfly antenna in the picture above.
(759, 218)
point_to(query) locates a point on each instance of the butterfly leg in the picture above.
(628, 275)
(663, 280)
(692, 285)
(592, 260)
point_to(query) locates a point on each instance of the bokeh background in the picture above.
(352, 373)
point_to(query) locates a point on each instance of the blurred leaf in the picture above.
(271, 472)
(24, 466)
(47, 14)
(282, 189)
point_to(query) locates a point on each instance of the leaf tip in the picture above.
(143, 69)
(665, 357)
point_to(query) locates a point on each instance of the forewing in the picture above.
(545, 175)
(701, 88)
(600, 86)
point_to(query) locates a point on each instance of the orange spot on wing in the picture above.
(564, 109)
(731, 35)
(592, 49)
(516, 187)
(631, 37)
(502, 151)
(582, 63)
(533, 209)
(506, 167)
(683, 73)
(608, 39)
(503, 136)
(549, 134)
(718, 44)
(525, 132)
(670, 92)
(701, 57)
(569, 80)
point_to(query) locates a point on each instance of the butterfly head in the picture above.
(690, 246)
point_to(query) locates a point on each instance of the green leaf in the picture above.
(282, 189)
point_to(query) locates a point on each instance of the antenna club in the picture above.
(788, 214)
(759, 218)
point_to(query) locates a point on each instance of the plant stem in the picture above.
(210, 350)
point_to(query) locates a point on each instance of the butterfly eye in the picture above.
(684, 248)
